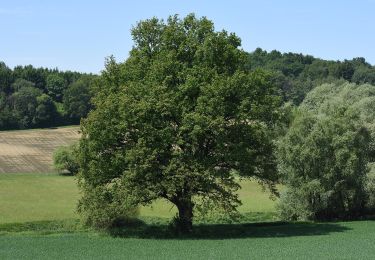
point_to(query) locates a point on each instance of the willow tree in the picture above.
(326, 155)
(179, 120)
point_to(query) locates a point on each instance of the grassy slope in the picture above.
(31, 197)
(51, 197)
(34, 197)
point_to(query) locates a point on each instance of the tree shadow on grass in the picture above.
(139, 229)
(160, 229)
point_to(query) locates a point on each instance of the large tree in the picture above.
(6, 78)
(178, 120)
(76, 99)
(45, 112)
(326, 155)
(55, 85)
(323, 161)
(24, 103)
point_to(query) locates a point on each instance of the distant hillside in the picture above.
(30, 151)
(296, 74)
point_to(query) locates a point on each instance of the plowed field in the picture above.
(30, 151)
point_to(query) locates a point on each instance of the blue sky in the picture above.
(78, 35)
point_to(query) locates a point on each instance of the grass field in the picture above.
(350, 240)
(43, 205)
(35, 197)
(30, 151)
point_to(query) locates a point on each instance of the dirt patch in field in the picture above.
(30, 151)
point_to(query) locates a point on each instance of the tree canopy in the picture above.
(297, 74)
(179, 120)
(32, 97)
(327, 153)
(293, 74)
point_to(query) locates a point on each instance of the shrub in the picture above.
(104, 207)
(65, 160)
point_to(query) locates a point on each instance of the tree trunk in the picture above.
(185, 215)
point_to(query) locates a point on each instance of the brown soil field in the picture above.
(30, 151)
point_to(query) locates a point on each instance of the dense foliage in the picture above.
(37, 97)
(69, 94)
(179, 120)
(327, 153)
(65, 160)
(297, 74)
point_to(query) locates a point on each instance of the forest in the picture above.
(39, 97)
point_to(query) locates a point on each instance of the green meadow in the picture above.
(37, 197)
(38, 221)
(351, 240)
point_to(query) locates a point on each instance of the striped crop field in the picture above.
(30, 151)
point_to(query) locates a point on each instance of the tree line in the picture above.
(38, 97)
(297, 74)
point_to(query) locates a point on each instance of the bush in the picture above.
(103, 207)
(293, 205)
(65, 160)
